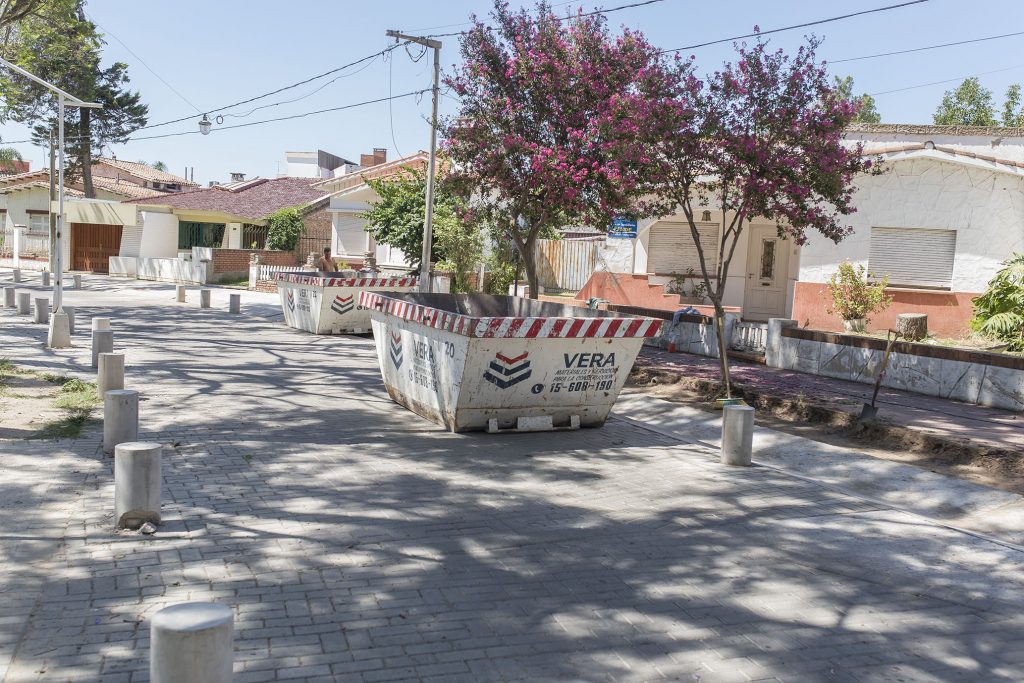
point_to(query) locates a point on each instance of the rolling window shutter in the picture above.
(671, 248)
(350, 228)
(913, 256)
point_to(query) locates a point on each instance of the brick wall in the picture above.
(236, 261)
(316, 236)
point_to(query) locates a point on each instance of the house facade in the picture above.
(948, 209)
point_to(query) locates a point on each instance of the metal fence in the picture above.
(254, 236)
(565, 264)
(31, 244)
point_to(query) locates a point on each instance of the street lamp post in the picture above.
(428, 221)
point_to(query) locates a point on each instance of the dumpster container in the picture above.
(328, 303)
(480, 362)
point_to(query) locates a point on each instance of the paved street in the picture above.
(357, 542)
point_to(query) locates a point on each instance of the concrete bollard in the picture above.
(17, 274)
(70, 310)
(42, 310)
(737, 435)
(204, 298)
(100, 324)
(110, 372)
(180, 293)
(192, 641)
(120, 418)
(102, 342)
(24, 303)
(235, 303)
(9, 297)
(136, 484)
(78, 281)
(59, 334)
(46, 278)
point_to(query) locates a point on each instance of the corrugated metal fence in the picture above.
(565, 264)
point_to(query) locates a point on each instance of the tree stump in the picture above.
(912, 326)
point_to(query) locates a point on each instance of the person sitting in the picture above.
(326, 263)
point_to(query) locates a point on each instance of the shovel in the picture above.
(869, 411)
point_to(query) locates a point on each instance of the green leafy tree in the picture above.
(58, 44)
(12, 11)
(1013, 113)
(866, 111)
(854, 296)
(999, 312)
(969, 104)
(286, 225)
(461, 245)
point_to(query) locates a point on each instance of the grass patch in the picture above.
(75, 394)
(234, 282)
(67, 427)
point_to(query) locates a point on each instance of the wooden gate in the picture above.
(92, 245)
(565, 264)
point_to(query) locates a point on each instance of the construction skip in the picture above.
(496, 363)
(329, 303)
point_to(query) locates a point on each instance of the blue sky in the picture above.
(215, 52)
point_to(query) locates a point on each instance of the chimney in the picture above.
(380, 155)
(366, 160)
(237, 177)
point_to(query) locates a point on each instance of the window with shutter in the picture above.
(913, 257)
(671, 248)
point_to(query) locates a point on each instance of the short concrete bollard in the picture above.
(17, 274)
(100, 324)
(24, 303)
(110, 372)
(120, 418)
(136, 484)
(737, 435)
(46, 278)
(70, 310)
(190, 642)
(204, 298)
(180, 293)
(9, 297)
(102, 342)
(59, 334)
(78, 281)
(235, 303)
(42, 310)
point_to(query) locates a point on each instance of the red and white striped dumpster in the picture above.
(495, 363)
(328, 303)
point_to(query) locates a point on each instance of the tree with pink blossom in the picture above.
(557, 122)
(761, 139)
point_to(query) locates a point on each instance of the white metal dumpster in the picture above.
(328, 303)
(474, 361)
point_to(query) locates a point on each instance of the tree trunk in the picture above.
(723, 348)
(531, 269)
(85, 152)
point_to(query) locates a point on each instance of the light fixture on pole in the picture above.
(64, 99)
(204, 125)
(428, 221)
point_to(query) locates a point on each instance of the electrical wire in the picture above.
(582, 14)
(928, 47)
(948, 80)
(391, 110)
(468, 23)
(795, 26)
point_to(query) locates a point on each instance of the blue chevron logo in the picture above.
(290, 297)
(504, 372)
(395, 349)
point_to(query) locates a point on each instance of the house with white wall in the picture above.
(948, 209)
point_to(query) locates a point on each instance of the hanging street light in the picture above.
(204, 125)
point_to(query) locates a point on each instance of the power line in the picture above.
(283, 118)
(795, 26)
(582, 14)
(948, 80)
(928, 47)
(467, 23)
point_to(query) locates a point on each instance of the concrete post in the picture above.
(24, 303)
(46, 278)
(102, 342)
(70, 310)
(100, 324)
(42, 310)
(737, 435)
(773, 345)
(17, 274)
(136, 484)
(59, 334)
(9, 297)
(78, 281)
(120, 418)
(192, 641)
(235, 303)
(16, 250)
(180, 292)
(204, 297)
(110, 372)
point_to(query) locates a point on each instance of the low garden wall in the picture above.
(231, 264)
(174, 270)
(690, 332)
(979, 377)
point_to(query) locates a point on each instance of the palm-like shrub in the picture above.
(999, 312)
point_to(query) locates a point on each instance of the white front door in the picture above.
(767, 274)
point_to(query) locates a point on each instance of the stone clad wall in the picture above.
(988, 379)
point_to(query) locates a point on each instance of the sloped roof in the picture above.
(931, 129)
(957, 154)
(255, 201)
(130, 190)
(357, 178)
(22, 178)
(68, 191)
(146, 172)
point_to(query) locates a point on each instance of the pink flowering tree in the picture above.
(557, 122)
(759, 140)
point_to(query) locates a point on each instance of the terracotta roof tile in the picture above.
(147, 172)
(254, 201)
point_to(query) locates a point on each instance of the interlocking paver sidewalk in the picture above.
(991, 427)
(357, 542)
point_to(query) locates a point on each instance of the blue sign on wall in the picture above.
(622, 228)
